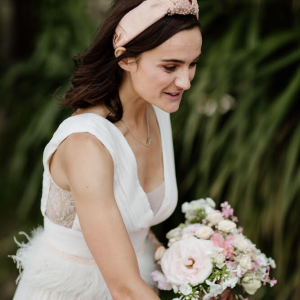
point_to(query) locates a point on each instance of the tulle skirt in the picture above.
(51, 274)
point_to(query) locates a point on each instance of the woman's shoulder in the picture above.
(78, 127)
(83, 148)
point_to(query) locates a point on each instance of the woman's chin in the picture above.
(172, 107)
(168, 107)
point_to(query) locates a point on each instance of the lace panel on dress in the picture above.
(60, 206)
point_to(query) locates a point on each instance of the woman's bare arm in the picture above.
(89, 170)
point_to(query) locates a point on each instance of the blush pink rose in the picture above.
(187, 261)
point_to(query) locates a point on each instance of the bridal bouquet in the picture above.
(209, 253)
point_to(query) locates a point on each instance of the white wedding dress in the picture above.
(56, 262)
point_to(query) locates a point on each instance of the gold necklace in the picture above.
(148, 131)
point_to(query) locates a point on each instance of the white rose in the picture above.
(241, 243)
(226, 226)
(204, 232)
(174, 233)
(185, 289)
(245, 262)
(160, 251)
(214, 218)
(219, 260)
(251, 284)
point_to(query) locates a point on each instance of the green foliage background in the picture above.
(236, 134)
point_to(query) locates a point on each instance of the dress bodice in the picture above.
(137, 208)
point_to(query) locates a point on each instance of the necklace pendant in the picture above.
(148, 141)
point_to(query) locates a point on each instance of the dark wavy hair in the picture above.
(97, 75)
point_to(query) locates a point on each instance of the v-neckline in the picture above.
(119, 132)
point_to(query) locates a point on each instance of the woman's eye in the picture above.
(173, 68)
(170, 68)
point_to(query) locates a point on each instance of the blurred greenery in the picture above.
(236, 134)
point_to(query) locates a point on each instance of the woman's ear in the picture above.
(127, 63)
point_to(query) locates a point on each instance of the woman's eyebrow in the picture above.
(177, 60)
(173, 60)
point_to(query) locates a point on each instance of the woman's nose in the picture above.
(183, 81)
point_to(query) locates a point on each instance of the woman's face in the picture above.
(162, 74)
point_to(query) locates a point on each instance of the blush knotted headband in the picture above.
(147, 13)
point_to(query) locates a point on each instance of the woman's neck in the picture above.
(134, 107)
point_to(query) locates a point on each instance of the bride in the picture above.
(109, 168)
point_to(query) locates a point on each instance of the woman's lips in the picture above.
(174, 96)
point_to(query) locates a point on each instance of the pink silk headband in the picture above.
(148, 13)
